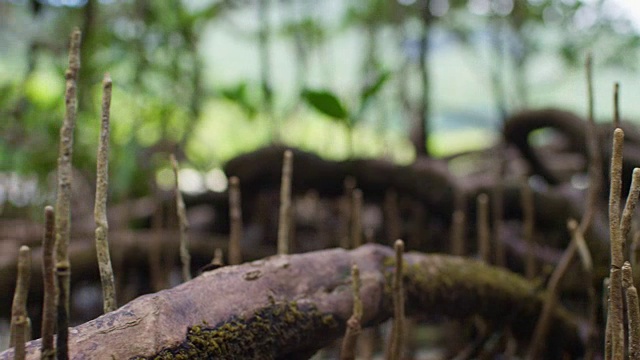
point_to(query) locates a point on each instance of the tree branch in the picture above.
(289, 306)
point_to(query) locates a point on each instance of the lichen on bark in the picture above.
(263, 335)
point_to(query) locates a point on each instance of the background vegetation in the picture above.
(208, 80)
(211, 79)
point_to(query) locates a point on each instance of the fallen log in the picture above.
(427, 179)
(131, 249)
(289, 306)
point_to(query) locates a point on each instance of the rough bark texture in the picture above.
(287, 307)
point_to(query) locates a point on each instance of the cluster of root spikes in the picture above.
(291, 306)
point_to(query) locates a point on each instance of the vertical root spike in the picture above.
(100, 209)
(484, 246)
(185, 257)
(63, 200)
(633, 311)
(528, 224)
(630, 205)
(235, 214)
(356, 218)
(49, 281)
(350, 341)
(397, 333)
(19, 317)
(285, 203)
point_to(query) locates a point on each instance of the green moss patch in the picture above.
(267, 334)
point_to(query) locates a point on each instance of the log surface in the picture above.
(311, 292)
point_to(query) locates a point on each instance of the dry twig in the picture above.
(100, 210)
(345, 203)
(615, 333)
(185, 257)
(63, 201)
(49, 281)
(354, 326)
(397, 333)
(458, 222)
(635, 256)
(542, 326)
(285, 203)
(528, 223)
(630, 205)
(235, 215)
(356, 218)
(633, 312)
(19, 317)
(497, 206)
(484, 247)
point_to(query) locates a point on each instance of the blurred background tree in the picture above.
(209, 79)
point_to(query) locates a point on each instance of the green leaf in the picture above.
(240, 96)
(236, 93)
(326, 103)
(374, 87)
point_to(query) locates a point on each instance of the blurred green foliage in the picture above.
(166, 101)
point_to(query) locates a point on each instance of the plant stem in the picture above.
(346, 213)
(482, 224)
(354, 327)
(19, 317)
(630, 205)
(457, 233)
(633, 312)
(100, 210)
(616, 314)
(615, 298)
(155, 257)
(459, 222)
(397, 333)
(544, 321)
(356, 218)
(63, 201)
(62, 339)
(635, 256)
(285, 203)
(217, 258)
(497, 203)
(49, 280)
(185, 258)
(235, 214)
(528, 224)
